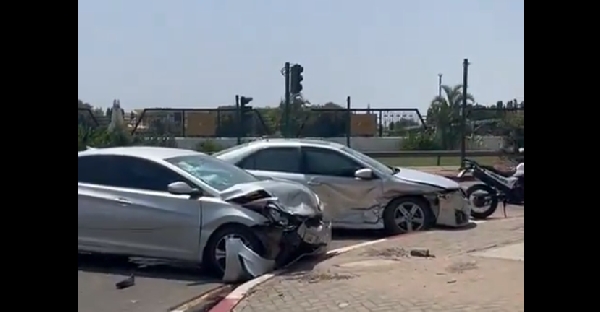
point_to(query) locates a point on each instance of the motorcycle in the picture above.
(508, 187)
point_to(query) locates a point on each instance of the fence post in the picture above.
(463, 119)
(348, 120)
(238, 118)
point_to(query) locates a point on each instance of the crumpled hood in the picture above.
(293, 197)
(417, 176)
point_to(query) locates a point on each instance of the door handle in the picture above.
(123, 201)
(312, 182)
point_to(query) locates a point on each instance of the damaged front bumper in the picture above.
(454, 208)
(284, 246)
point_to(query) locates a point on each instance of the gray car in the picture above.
(358, 192)
(187, 206)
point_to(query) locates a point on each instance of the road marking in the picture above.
(352, 247)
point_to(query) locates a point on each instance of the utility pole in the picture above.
(286, 104)
(440, 85)
(463, 119)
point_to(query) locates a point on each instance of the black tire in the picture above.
(245, 233)
(389, 215)
(479, 215)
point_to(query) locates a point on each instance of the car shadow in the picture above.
(153, 269)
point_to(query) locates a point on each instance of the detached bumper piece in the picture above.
(460, 217)
(241, 263)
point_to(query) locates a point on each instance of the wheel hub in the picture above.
(479, 201)
(410, 217)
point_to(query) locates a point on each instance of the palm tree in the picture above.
(444, 115)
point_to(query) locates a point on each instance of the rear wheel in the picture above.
(215, 252)
(484, 201)
(407, 214)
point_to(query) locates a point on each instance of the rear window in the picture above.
(231, 149)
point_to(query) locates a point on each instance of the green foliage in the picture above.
(102, 137)
(420, 141)
(208, 147)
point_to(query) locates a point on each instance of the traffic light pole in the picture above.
(285, 121)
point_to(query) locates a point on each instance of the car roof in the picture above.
(147, 152)
(295, 142)
(238, 152)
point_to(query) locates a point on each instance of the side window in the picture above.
(326, 162)
(93, 169)
(274, 159)
(247, 163)
(142, 174)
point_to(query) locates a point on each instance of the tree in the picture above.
(444, 115)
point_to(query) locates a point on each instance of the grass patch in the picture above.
(433, 161)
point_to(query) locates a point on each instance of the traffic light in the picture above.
(244, 101)
(296, 79)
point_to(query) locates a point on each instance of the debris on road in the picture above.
(421, 253)
(126, 283)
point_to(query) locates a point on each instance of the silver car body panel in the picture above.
(161, 225)
(359, 204)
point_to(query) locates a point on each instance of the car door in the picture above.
(96, 206)
(275, 162)
(163, 224)
(145, 218)
(347, 199)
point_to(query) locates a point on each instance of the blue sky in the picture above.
(386, 53)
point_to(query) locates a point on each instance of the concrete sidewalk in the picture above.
(466, 273)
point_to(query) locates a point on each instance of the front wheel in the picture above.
(484, 200)
(407, 214)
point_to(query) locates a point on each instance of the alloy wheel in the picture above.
(410, 216)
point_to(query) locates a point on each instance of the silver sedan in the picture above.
(182, 205)
(358, 192)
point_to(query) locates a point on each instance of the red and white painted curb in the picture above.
(240, 292)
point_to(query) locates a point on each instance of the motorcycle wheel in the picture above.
(477, 212)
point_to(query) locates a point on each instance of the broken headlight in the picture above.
(282, 218)
(277, 216)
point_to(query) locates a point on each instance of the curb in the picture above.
(239, 293)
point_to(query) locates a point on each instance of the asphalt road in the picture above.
(159, 288)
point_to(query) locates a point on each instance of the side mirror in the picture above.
(364, 174)
(182, 188)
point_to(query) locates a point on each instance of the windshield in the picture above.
(369, 161)
(214, 172)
